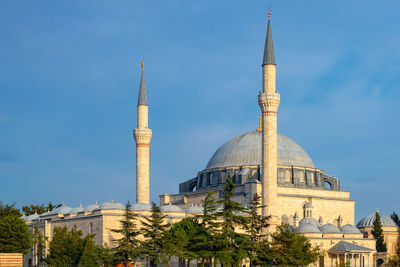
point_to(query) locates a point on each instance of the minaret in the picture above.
(269, 100)
(142, 135)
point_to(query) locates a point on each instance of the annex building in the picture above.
(294, 191)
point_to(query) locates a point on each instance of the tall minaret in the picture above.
(269, 100)
(142, 135)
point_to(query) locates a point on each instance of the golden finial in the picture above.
(259, 125)
(269, 13)
(142, 65)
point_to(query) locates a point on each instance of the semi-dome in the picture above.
(245, 149)
(61, 210)
(111, 205)
(195, 210)
(170, 208)
(368, 221)
(349, 229)
(329, 229)
(140, 207)
(308, 228)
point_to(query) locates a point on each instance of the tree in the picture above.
(38, 209)
(6, 210)
(14, 233)
(377, 232)
(288, 248)
(232, 246)
(394, 260)
(107, 258)
(127, 245)
(395, 218)
(40, 243)
(90, 253)
(256, 227)
(67, 247)
(153, 228)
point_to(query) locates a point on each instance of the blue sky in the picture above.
(70, 71)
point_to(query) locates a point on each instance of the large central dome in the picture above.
(245, 150)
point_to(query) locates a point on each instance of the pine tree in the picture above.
(232, 246)
(107, 258)
(287, 248)
(153, 228)
(395, 218)
(256, 227)
(90, 254)
(127, 246)
(377, 232)
(14, 233)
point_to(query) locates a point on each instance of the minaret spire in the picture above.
(142, 135)
(269, 55)
(142, 100)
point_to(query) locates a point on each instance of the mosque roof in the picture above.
(92, 207)
(62, 209)
(368, 221)
(111, 205)
(309, 221)
(141, 207)
(308, 228)
(245, 149)
(76, 210)
(329, 229)
(170, 208)
(349, 229)
(344, 246)
(194, 209)
(142, 99)
(269, 55)
(30, 218)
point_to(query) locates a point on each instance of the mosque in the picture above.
(294, 191)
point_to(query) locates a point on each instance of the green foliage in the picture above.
(107, 257)
(153, 229)
(287, 248)
(257, 227)
(40, 243)
(14, 233)
(67, 248)
(7, 210)
(377, 232)
(232, 246)
(127, 246)
(394, 260)
(38, 209)
(90, 253)
(395, 218)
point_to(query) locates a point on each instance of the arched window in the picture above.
(328, 185)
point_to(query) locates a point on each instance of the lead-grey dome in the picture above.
(195, 210)
(329, 229)
(368, 221)
(308, 228)
(111, 205)
(349, 229)
(245, 149)
(170, 208)
(141, 207)
(61, 210)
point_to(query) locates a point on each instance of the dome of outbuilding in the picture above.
(76, 210)
(91, 207)
(368, 221)
(111, 205)
(61, 210)
(195, 210)
(140, 207)
(170, 208)
(31, 217)
(308, 228)
(349, 229)
(309, 221)
(329, 229)
(245, 149)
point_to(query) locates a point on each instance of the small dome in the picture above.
(61, 210)
(140, 207)
(329, 229)
(245, 149)
(349, 229)
(30, 218)
(45, 214)
(170, 208)
(91, 207)
(308, 228)
(195, 210)
(309, 221)
(76, 210)
(369, 221)
(111, 205)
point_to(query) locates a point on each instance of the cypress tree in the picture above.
(377, 232)
(127, 245)
(152, 229)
